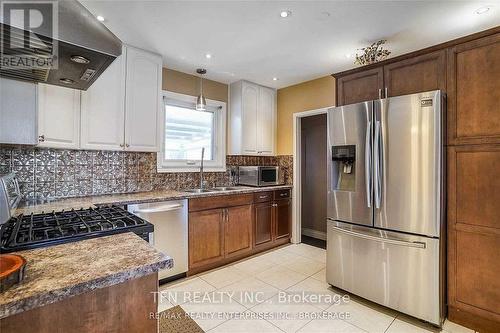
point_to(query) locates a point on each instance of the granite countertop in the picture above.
(58, 272)
(133, 198)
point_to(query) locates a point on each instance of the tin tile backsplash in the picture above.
(58, 173)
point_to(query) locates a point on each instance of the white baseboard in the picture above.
(314, 233)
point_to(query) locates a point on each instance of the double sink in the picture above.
(214, 189)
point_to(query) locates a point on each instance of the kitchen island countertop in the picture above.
(58, 272)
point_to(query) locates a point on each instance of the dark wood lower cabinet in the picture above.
(273, 220)
(238, 237)
(228, 228)
(283, 218)
(121, 308)
(474, 236)
(263, 223)
(206, 237)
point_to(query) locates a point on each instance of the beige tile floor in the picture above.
(265, 293)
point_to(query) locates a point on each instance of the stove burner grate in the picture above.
(30, 230)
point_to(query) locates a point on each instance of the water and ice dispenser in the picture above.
(343, 167)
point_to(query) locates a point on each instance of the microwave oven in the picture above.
(258, 175)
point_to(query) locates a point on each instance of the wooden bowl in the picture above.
(11, 270)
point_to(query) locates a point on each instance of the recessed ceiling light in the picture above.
(285, 13)
(208, 56)
(482, 10)
(275, 79)
(100, 18)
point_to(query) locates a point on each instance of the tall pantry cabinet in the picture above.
(467, 70)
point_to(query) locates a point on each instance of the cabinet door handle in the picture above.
(283, 194)
(275, 205)
(263, 196)
(41, 138)
(122, 145)
(127, 145)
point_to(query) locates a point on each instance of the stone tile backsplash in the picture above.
(59, 173)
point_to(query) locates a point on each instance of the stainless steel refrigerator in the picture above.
(385, 238)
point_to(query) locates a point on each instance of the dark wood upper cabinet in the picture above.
(360, 87)
(238, 238)
(474, 92)
(423, 73)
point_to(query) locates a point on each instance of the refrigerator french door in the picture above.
(407, 163)
(349, 132)
(385, 203)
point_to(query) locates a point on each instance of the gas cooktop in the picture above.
(38, 230)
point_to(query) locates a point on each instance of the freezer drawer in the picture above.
(389, 268)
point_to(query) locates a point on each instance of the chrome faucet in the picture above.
(201, 167)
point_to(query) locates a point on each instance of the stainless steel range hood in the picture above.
(85, 49)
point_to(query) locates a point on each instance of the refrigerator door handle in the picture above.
(377, 165)
(368, 163)
(420, 245)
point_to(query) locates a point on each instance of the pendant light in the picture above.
(201, 103)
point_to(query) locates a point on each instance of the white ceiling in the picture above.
(249, 40)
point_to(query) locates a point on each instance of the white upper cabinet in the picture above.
(18, 112)
(58, 117)
(120, 110)
(103, 105)
(252, 119)
(250, 107)
(142, 100)
(266, 133)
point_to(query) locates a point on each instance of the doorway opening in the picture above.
(310, 177)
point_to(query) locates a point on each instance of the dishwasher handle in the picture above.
(165, 208)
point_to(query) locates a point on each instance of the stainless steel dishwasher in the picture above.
(170, 219)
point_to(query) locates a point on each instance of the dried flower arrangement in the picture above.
(372, 54)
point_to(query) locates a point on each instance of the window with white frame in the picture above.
(185, 131)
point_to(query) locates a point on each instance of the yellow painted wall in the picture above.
(310, 95)
(188, 84)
